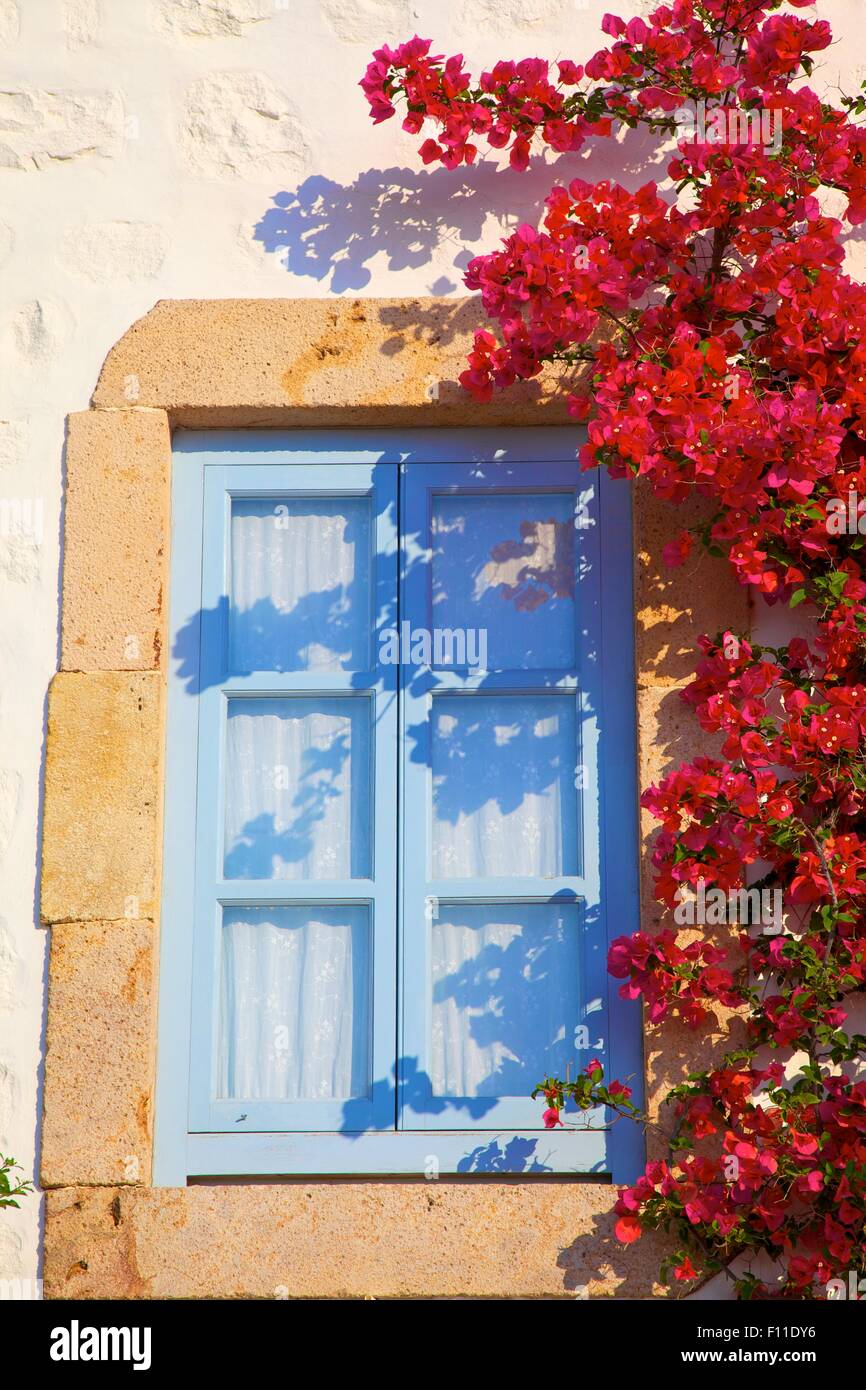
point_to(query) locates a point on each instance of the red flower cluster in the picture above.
(668, 974)
(719, 337)
(509, 105)
(779, 1181)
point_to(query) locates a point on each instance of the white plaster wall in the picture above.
(205, 148)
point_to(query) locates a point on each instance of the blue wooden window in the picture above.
(400, 804)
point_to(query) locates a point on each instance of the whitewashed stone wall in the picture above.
(204, 148)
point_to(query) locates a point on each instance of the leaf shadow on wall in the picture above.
(597, 1254)
(331, 232)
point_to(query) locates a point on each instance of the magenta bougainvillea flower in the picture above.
(714, 342)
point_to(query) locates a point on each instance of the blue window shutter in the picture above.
(508, 795)
(293, 999)
(502, 932)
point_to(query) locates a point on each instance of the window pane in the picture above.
(504, 565)
(294, 1003)
(506, 996)
(504, 795)
(298, 788)
(300, 584)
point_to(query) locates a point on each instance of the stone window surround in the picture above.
(276, 363)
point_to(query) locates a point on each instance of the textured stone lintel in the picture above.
(313, 363)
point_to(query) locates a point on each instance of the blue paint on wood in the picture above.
(571, 707)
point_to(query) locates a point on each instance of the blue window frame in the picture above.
(400, 804)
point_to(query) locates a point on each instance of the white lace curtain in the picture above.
(297, 788)
(294, 1005)
(300, 584)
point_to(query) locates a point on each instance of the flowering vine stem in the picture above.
(588, 1092)
(730, 366)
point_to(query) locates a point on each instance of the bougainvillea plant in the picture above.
(725, 358)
